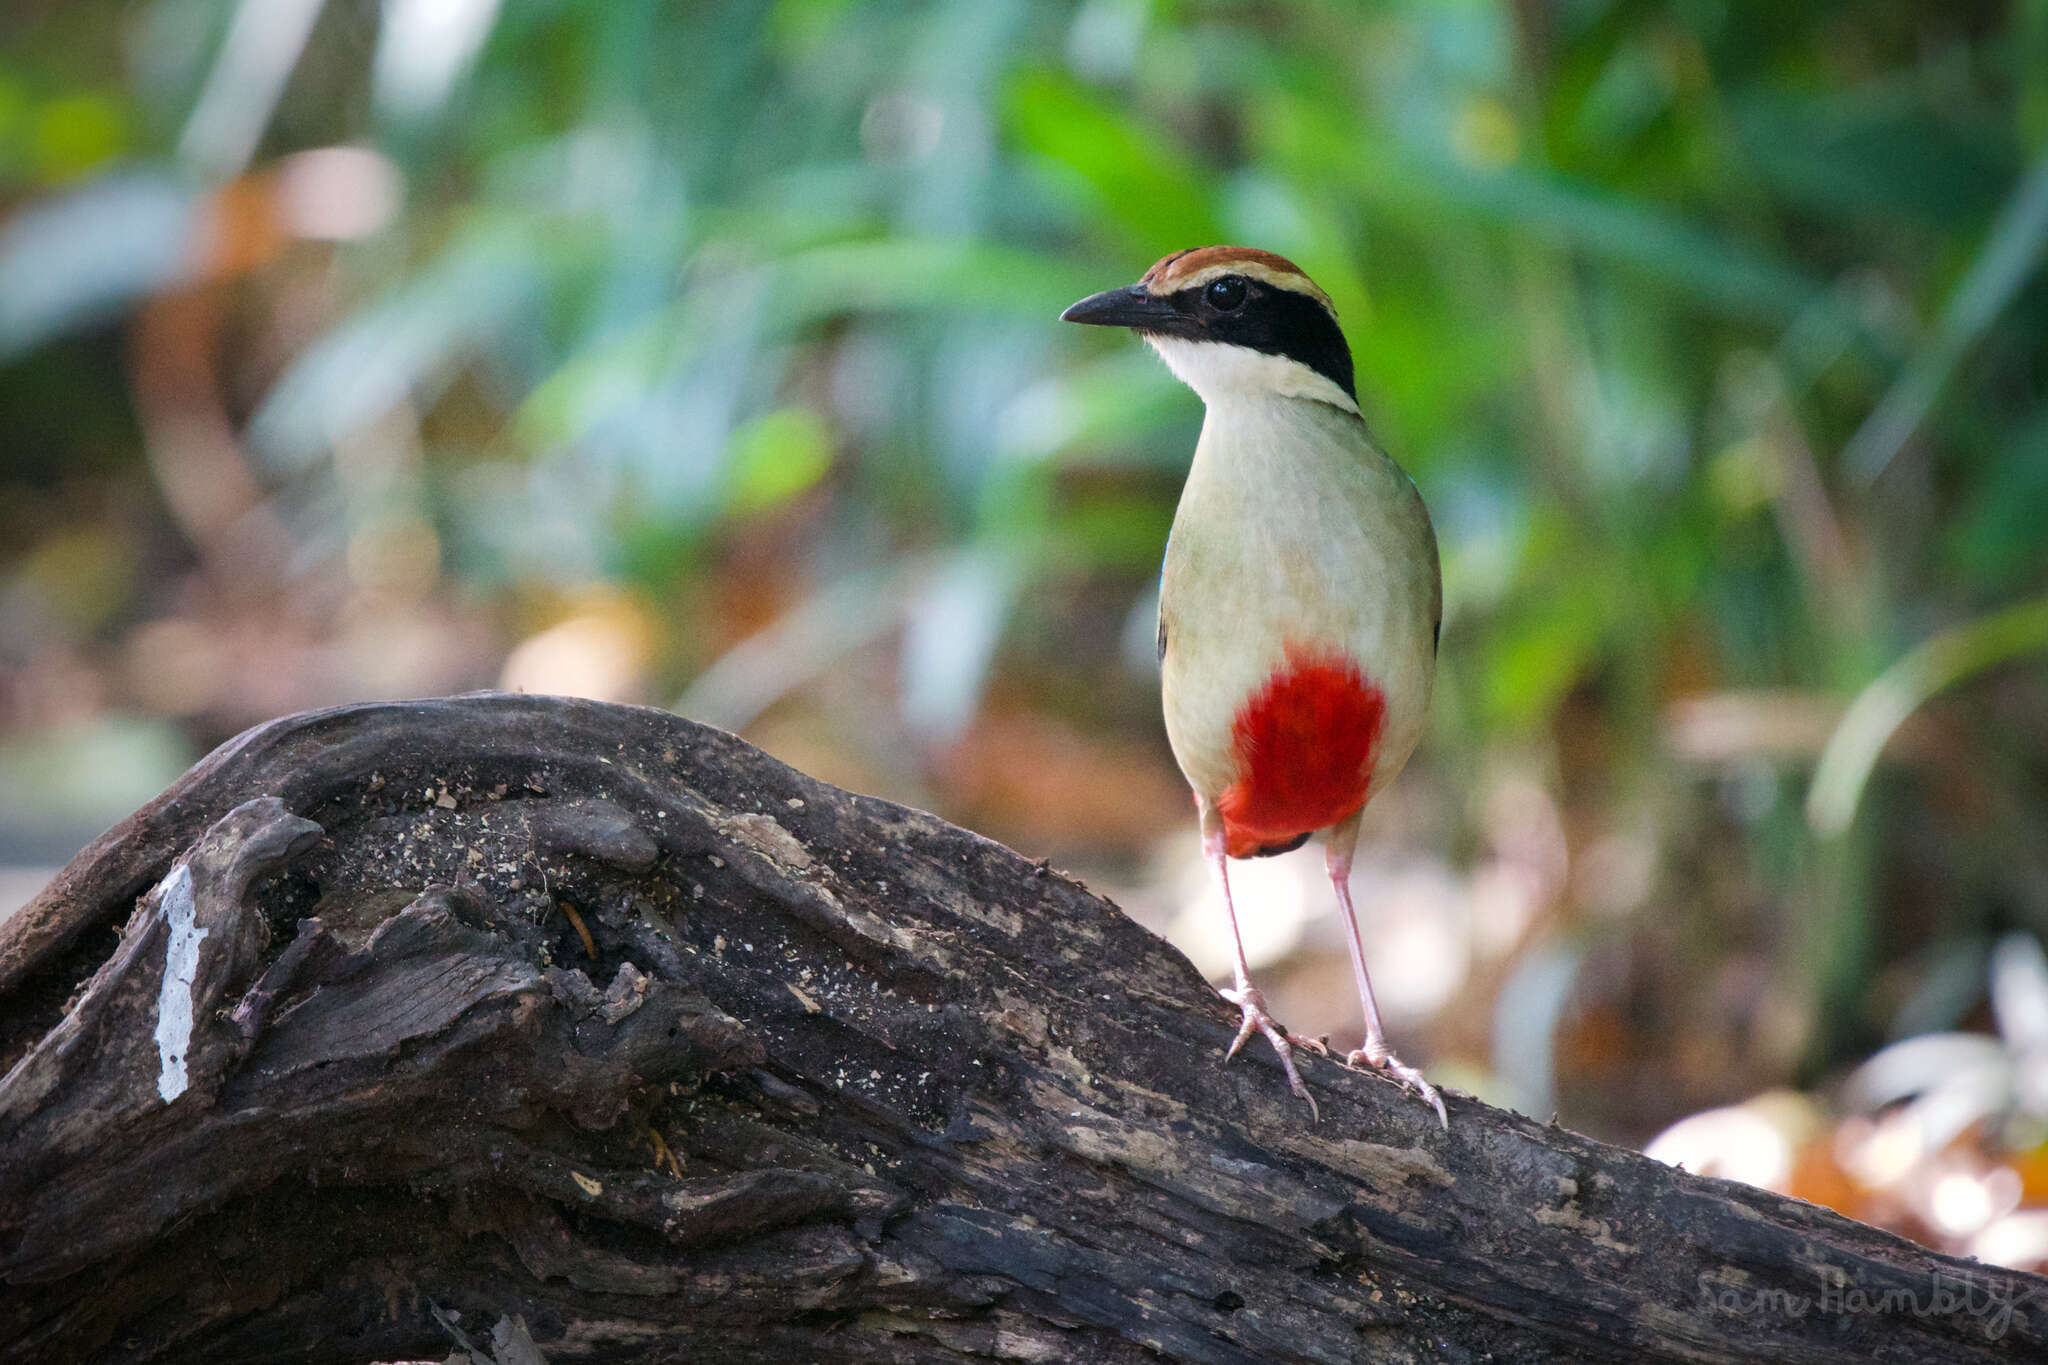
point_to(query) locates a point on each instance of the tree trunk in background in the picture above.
(827, 1080)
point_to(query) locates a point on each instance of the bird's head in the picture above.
(1234, 321)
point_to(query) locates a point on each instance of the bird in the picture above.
(1300, 600)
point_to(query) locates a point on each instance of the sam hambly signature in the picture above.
(1990, 1299)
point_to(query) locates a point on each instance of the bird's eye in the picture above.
(1226, 295)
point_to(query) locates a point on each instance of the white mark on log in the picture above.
(181, 965)
(765, 833)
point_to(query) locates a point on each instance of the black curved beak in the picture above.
(1131, 306)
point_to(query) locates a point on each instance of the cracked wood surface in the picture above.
(840, 1082)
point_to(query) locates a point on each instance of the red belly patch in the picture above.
(1304, 744)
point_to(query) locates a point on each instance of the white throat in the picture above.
(1218, 370)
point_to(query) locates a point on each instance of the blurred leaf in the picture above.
(752, 676)
(263, 43)
(1153, 189)
(1422, 191)
(73, 261)
(2019, 992)
(2004, 263)
(1997, 529)
(1535, 661)
(1125, 533)
(952, 628)
(14, 108)
(1878, 711)
(1970, 1067)
(75, 134)
(1949, 987)
(80, 576)
(1712, 265)
(1543, 647)
(1873, 154)
(424, 48)
(775, 457)
(1525, 1019)
(588, 387)
(1108, 411)
(62, 785)
(403, 347)
(816, 284)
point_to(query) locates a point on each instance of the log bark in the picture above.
(390, 1023)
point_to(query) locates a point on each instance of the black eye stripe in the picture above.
(1274, 321)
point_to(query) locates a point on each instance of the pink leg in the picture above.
(1246, 997)
(1342, 840)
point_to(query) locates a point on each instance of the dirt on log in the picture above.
(602, 1036)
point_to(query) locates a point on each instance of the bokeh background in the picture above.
(705, 356)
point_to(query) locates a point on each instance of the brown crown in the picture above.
(1168, 273)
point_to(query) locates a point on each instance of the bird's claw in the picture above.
(1405, 1075)
(1256, 1019)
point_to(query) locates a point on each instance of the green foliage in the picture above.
(775, 457)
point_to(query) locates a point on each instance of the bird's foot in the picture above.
(1405, 1074)
(1256, 1019)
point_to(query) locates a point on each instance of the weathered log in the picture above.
(311, 1056)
